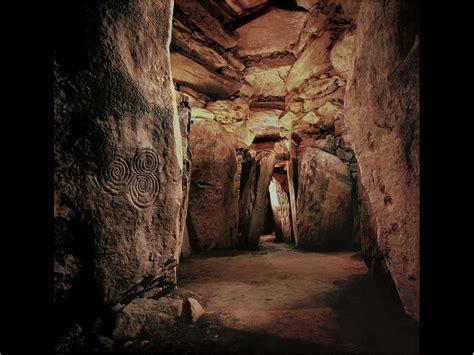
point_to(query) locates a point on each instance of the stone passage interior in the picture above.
(237, 175)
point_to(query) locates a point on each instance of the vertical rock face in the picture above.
(118, 156)
(184, 114)
(382, 116)
(324, 201)
(254, 198)
(281, 211)
(213, 199)
(368, 234)
(292, 175)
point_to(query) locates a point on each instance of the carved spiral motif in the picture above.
(116, 176)
(145, 161)
(144, 189)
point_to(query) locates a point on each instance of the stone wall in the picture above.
(280, 206)
(382, 116)
(253, 200)
(118, 153)
(324, 201)
(213, 197)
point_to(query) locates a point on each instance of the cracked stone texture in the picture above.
(227, 112)
(118, 156)
(341, 55)
(262, 121)
(382, 116)
(275, 31)
(314, 61)
(145, 317)
(213, 201)
(208, 24)
(267, 81)
(184, 114)
(324, 201)
(185, 40)
(190, 73)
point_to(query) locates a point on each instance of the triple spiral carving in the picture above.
(137, 178)
(116, 176)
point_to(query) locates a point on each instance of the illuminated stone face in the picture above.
(268, 82)
(276, 31)
(264, 122)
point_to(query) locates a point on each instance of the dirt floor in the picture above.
(284, 300)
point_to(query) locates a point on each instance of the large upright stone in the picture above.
(382, 116)
(368, 234)
(324, 201)
(213, 199)
(281, 211)
(184, 114)
(118, 157)
(254, 198)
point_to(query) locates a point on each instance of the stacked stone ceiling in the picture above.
(264, 69)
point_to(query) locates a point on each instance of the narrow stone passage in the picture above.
(281, 299)
(184, 130)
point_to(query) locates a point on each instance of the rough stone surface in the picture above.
(275, 31)
(280, 206)
(314, 61)
(241, 6)
(188, 72)
(324, 201)
(382, 116)
(336, 97)
(314, 28)
(197, 95)
(186, 250)
(192, 101)
(254, 198)
(201, 114)
(213, 203)
(341, 55)
(350, 8)
(144, 317)
(327, 143)
(234, 61)
(318, 88)
(185, 40)
(267, 81)
(227, 112)
(117, 153)
(368, 234)
(264, 122)
(243, 134)
(208, 24)
(184, 114)
(307, 4)
(329, 112)
(196, 309)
